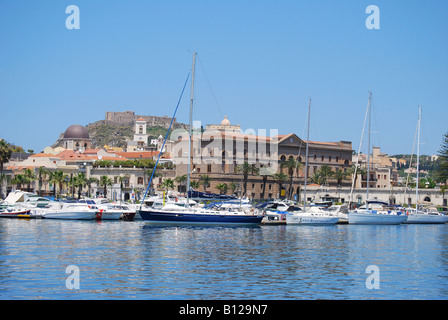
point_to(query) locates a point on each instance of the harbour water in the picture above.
(131, 260)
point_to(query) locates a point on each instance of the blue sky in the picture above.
(259, 61)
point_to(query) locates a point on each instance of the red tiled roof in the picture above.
(138, 155)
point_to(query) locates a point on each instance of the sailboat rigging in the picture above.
(173, 214)
(374, 212)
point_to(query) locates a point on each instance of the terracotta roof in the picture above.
(138, 155)
(43, 155)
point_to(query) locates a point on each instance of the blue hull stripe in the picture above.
(179, 217)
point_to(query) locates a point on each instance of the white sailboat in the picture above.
(174, 214)
(374, 212)
(418, 215)
(309, 215)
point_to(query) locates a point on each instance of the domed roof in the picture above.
(225, 122)
(76, 132)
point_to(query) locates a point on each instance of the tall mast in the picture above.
(368, 153)
(190, 125)
(418, 155)
(306, 155)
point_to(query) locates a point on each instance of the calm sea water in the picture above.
(131, 260)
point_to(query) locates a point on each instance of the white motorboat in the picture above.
(109, 211)
(66, 210)
(312, 216)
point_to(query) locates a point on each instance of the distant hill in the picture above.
(115, 134)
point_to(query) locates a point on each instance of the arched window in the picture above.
(427, 199)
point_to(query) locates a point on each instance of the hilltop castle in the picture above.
(129, 117)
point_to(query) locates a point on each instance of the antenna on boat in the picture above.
(164, 141)
(306, 155)
(190, 127)
(368, 152)
(359, 153)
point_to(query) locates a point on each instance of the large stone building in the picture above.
(219, 153)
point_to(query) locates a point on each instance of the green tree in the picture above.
(29, 176)
(233, 186)
(293, 167)
(79, 181)
(194, 184)
(325, 174)
(245, 169)
(57, 177)
(340, 175)
(181, 180)
(105, 181)
(222, 187)
(42, 173)
(168, 184)
(5, 153)
(280, 179)
(205, 181)
(89, 183)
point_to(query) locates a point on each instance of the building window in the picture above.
(322, 158)
(329, 159)
(140, 180)
(209, 168)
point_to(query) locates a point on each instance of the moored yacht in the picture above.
(66, 210)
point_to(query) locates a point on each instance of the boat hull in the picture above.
(70, 215)
(426, 219)
(373, 218)
(174, 217)
(108, 215)
(292, 219)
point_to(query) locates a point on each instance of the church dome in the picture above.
(225, 122)
(76, 132)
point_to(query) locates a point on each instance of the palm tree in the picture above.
(315, 178)
(29, 176)
(205, 181)
(280, 178)
(168, 184)
(325, 174)
(57, 177)
(194, 184)
(89, 183)
(222, 187)
(105, 181)
(340, 175)
(40, 178)
(122, 179)
(293, 166)
(79, 181)
(181, 181)
(233, 186)
(5, 153)
(246, 169)
(3, 177)
(18, 180)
